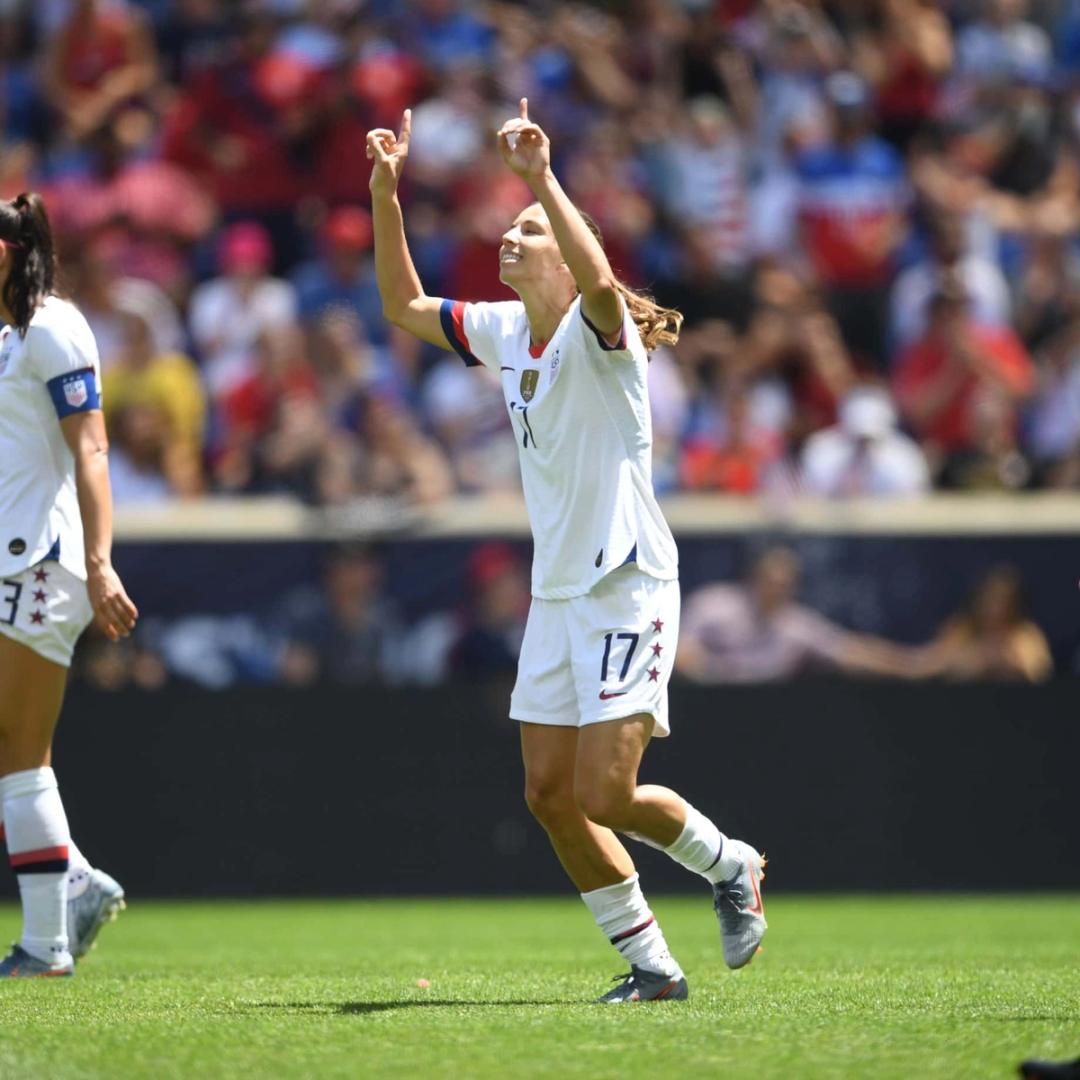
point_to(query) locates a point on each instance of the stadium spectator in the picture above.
(493, 626)
(757, 632)
(732, 444)
(153, 210)
(991, 637)
(343, 632)
(167, 384)
(949, 256)
(707, 189)
(864, 454)
(852, 203)
(941, 378)
(107, 296)
(138, 455)
(247, 134)
(272, 434)
(230, 313)
(993, 460)
(388, 456)
(1000, 43)
(342, 275)
(99, 58)
(1054, 417)
(904, 49)
(468, 417)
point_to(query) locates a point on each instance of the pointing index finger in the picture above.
(523, 105)
(406, 128)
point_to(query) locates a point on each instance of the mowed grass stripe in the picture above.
(874, 987)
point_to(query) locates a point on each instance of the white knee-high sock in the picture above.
(703, 848)
(38, 841)
(623, 915)
(78, 865)
(78, 875)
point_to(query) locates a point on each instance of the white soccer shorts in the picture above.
(602, 656)
(46, 608)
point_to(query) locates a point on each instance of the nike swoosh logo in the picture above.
(604, 694)
(756, 907)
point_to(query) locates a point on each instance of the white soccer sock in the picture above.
(703, 848)
(38, 841)
(78, 865)
(623, 915)
(78, 876)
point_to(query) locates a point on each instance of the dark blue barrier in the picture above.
(845, 785)
(902, 587)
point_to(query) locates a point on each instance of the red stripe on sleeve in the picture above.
(45, 854)
(457, 313)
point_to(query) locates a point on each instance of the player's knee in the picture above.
(549, 799)
(606, 806)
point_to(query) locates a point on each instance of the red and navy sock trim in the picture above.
(602, 341)
(452, 317)
(48, 860)
(633, 930)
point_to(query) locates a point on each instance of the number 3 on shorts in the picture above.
(633, 639)
(10, 598)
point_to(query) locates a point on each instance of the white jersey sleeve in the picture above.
(478, 333)
(65, 359)
(598, 347)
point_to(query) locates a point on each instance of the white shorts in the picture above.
(46, 608)
(602, 656)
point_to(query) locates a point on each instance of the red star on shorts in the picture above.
(37, 617)
(657, 649)
(654, 674)
(657, 625)
(39, 596)
(41, 574)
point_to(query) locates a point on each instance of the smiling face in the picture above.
(529, 253)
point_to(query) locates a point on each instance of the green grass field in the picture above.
(866, 987)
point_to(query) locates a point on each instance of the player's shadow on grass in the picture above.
(362, 1008)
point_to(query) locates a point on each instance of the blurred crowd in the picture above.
(868, 211)
(347, 629)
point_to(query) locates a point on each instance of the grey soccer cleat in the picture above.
(641, 985)
(738, 907)
(100, 903)
(19, 964)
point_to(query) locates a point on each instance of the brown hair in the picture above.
(24, 226)
(657, 325)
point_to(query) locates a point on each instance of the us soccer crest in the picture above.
(529, 378)
(75, 392)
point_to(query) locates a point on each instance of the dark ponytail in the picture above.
(24, 227)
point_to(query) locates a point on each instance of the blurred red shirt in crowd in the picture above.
(941, 377)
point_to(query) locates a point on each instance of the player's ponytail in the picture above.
(25, 229)
(657, 325)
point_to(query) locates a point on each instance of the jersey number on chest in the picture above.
(522, 413)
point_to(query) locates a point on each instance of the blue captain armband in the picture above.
(74, 392)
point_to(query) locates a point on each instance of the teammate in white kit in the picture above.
(56, 575)
(600, 641)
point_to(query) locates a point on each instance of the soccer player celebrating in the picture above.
(591, 690)
(56, 575)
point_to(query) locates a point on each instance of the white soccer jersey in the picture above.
(580, 410)
(51, 373)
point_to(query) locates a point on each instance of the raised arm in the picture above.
(403, 299)
(527, 151)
